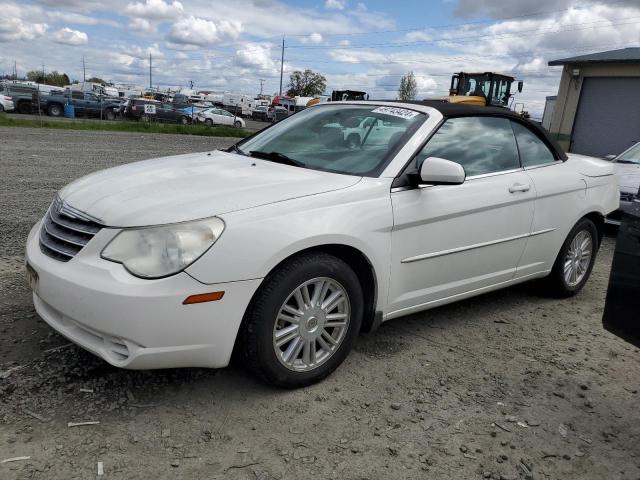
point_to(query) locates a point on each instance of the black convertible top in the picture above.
(450, 110)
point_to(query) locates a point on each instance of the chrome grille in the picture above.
(65, 231)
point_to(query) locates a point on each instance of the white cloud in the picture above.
(417, 36)
(67, 36)
(14, 27)
(142, 25)
(199, 31)
(335, 4)
(155, 10)
(313, 38)
(255, 55)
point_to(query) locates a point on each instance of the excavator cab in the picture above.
(482, 89)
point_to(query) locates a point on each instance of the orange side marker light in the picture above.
(203, 297)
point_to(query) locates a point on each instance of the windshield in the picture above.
(630, 156)
(349, 139)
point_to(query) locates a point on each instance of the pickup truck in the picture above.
(86, 104)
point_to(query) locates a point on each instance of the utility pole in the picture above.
(84, 71)
(150, 77)
(15, 70)
(281, 65)
(261, 84)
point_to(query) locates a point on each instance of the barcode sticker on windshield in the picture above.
(396, 112)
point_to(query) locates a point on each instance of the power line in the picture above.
(453, 25)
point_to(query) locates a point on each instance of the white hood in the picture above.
(188, 187)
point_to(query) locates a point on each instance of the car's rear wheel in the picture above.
(55, 110)
(208, 122)
(303, 321)
(575, 260)
(110, 114)
(237, 124)
(184, 120)
(1, 108)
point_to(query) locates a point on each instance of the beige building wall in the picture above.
(566, 107)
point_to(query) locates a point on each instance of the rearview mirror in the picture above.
(438, 171)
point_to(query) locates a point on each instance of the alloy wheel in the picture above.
(311, 324)
(578, 258)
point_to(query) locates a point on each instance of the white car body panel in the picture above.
(451, 239)
(7, 103)
(426, 246)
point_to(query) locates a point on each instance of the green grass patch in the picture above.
(125, 126)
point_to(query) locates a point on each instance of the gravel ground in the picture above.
(508, 385)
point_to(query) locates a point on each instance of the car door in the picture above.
(448, 240)
(79, 104)
(226, 118)
(560, 194)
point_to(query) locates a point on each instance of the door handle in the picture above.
(519, 187)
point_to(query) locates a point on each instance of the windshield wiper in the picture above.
(234, 149)
(276, 157)
(622, 160)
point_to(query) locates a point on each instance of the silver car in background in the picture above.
(627, 166)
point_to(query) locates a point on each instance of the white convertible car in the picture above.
(288, 244)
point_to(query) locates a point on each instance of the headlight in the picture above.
(156, 252)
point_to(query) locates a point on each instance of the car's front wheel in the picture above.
(575, 260)
(303, 321)
(237, 124)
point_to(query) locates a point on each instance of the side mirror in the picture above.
(609, 157)
(438, 171)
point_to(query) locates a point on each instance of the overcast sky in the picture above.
(365, 45)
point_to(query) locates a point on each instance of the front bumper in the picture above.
(131, 322)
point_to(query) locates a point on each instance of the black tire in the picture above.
(208, 122)
(110, 114)
(55, 110)
(183, 120)
(1, 108)
(353, 141)
(24, 107)
(237, 124)
(256, 337)
(144, 118)
(556, 284)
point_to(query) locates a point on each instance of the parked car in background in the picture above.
(627, 167)
(284, 247)
(260, 113)
(277, 113)
(22, 96)
(217, 116)
(375, 131)
(85, 104)
(6, 103)
(134, 107)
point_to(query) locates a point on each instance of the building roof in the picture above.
(624, 55)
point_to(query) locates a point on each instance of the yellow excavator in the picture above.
(482, 89)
